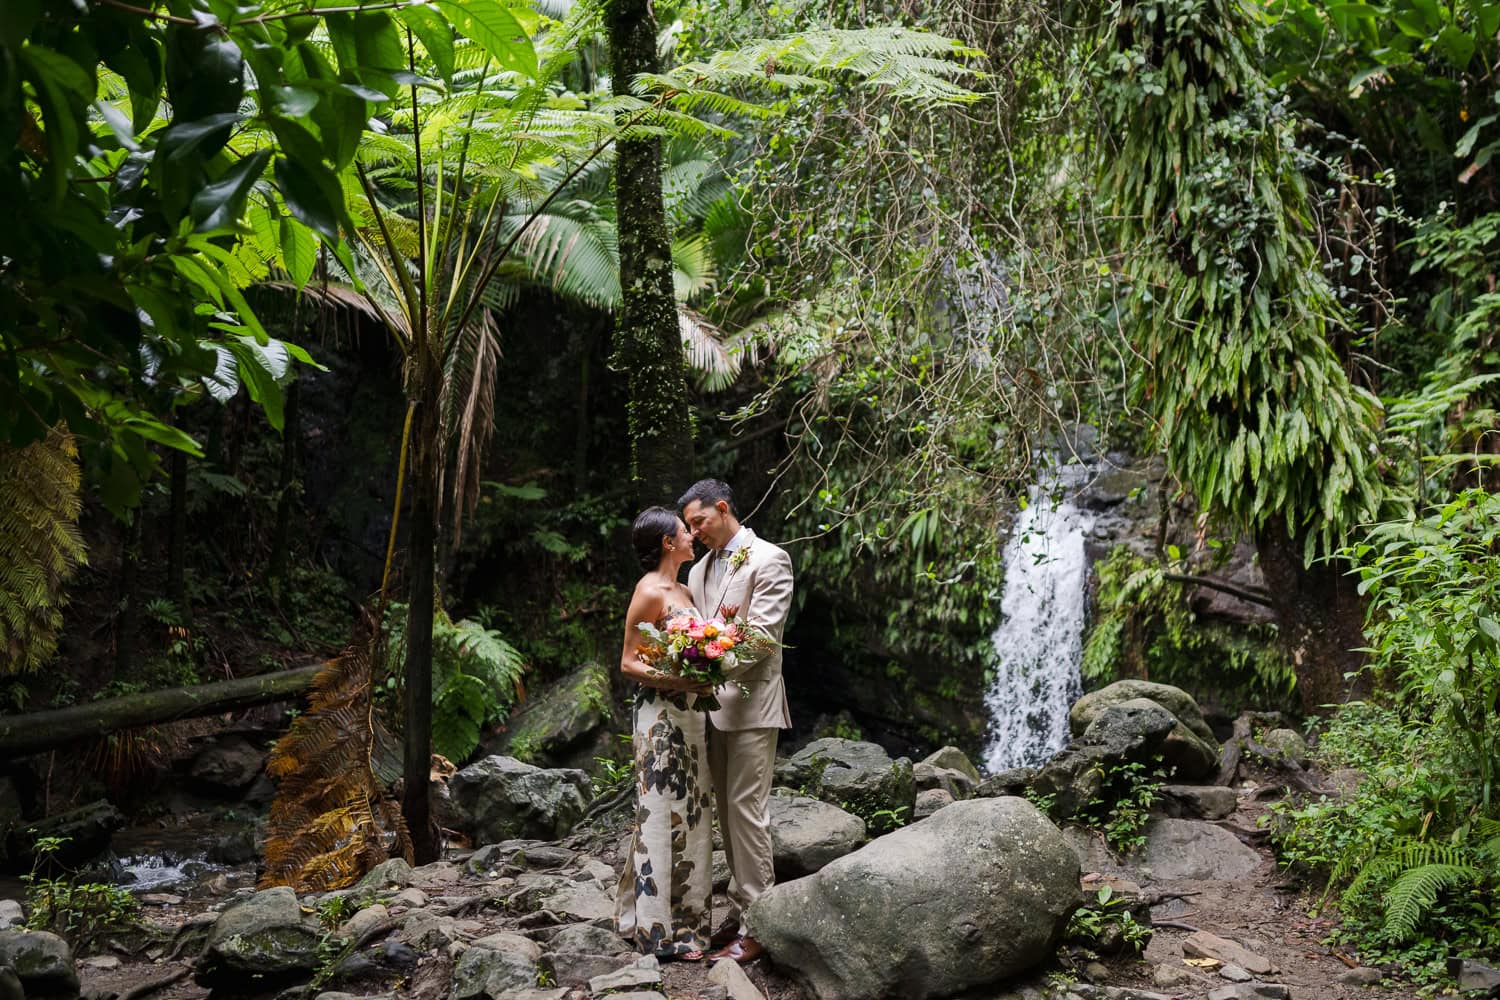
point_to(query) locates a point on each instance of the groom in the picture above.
(746, 576)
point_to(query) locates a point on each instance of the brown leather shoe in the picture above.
(744, 950)
(727, 932)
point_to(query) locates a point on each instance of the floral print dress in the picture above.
(662, 901)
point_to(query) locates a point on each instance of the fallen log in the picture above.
(34, 732)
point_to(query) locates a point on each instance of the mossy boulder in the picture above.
(501, 798)
(42, 962)
(858, 777)
(259, 942)
(1190, 749)
(561, 725)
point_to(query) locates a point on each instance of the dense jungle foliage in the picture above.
(364, 326)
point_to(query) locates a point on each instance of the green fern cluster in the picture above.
(1415, 873)
(39, 506)
(476, 678)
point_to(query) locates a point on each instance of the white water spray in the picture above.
(1039, 643)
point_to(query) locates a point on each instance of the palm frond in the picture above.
(715, 363)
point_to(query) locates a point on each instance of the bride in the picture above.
(662, 901)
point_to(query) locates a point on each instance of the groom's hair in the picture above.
(708, 492)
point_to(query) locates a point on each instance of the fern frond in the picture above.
(1415, 892)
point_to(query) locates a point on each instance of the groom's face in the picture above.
(710, 523)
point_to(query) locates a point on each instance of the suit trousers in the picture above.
(742, 764)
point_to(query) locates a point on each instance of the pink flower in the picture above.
(713, 651)
(696, 631)
(678, 623)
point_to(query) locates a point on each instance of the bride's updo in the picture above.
(650, 527)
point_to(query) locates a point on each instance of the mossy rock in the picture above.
(860, 778)
(1173, 699)
(562, 724)
(264, 939)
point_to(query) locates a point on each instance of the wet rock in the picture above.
(227, 767)
(11, 914)
(85, 833)
(1192, 849)
(930, 801)
(494, 965)
(727, 973)
(643, 973)
(1198, 801)
(857, 776)
(808, 833)
(1132, 731)
(1013, 781)
(1202, 944)
(1362, 976)
(1173, 699)
(499, 798)
(265, 935)
(42, 962)
(957, 784)
(560, 725)
(236, 848)
(10, 985)
(978, 892)
(400, 954)
(394, 872)
(953, 759)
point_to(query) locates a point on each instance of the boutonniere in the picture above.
(740, 557)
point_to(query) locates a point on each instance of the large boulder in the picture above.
(563, 724)
(979, 892)
(1129, 732)
(43, 963)
(953, 759)
(262, 939)
(500, 798)
(1173, 699)
(855, 776)
(1181, 849)
(807, 833)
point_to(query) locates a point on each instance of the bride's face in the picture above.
(681, 544)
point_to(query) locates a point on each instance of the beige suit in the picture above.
(742, 737)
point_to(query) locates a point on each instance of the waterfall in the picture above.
(1039, 643)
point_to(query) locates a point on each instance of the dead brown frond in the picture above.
(332, 821)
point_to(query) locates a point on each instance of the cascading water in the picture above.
(1039, 643)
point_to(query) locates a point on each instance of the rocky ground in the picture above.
(976, 892)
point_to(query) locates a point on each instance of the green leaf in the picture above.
(220, 204)
(312, 195)
(179, 141)
(299, 250)
(496, 29)
(435, 34)
(1456, 45)
(154, 430)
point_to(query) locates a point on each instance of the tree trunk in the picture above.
(416, 805)
(581, 428)
(649, 343)
(177, 535)
(281, 536)
(38, 731)
(1320, 616)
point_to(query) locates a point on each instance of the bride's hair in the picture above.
(650, 527)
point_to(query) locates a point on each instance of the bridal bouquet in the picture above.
(703, 649)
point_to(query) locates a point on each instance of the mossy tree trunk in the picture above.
(1320, 617)
(281, 537)
(648, 344)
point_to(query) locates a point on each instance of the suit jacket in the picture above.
(762, 588)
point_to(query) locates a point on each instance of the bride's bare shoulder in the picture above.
(649, 599)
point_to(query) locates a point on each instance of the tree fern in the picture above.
(39, 506)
